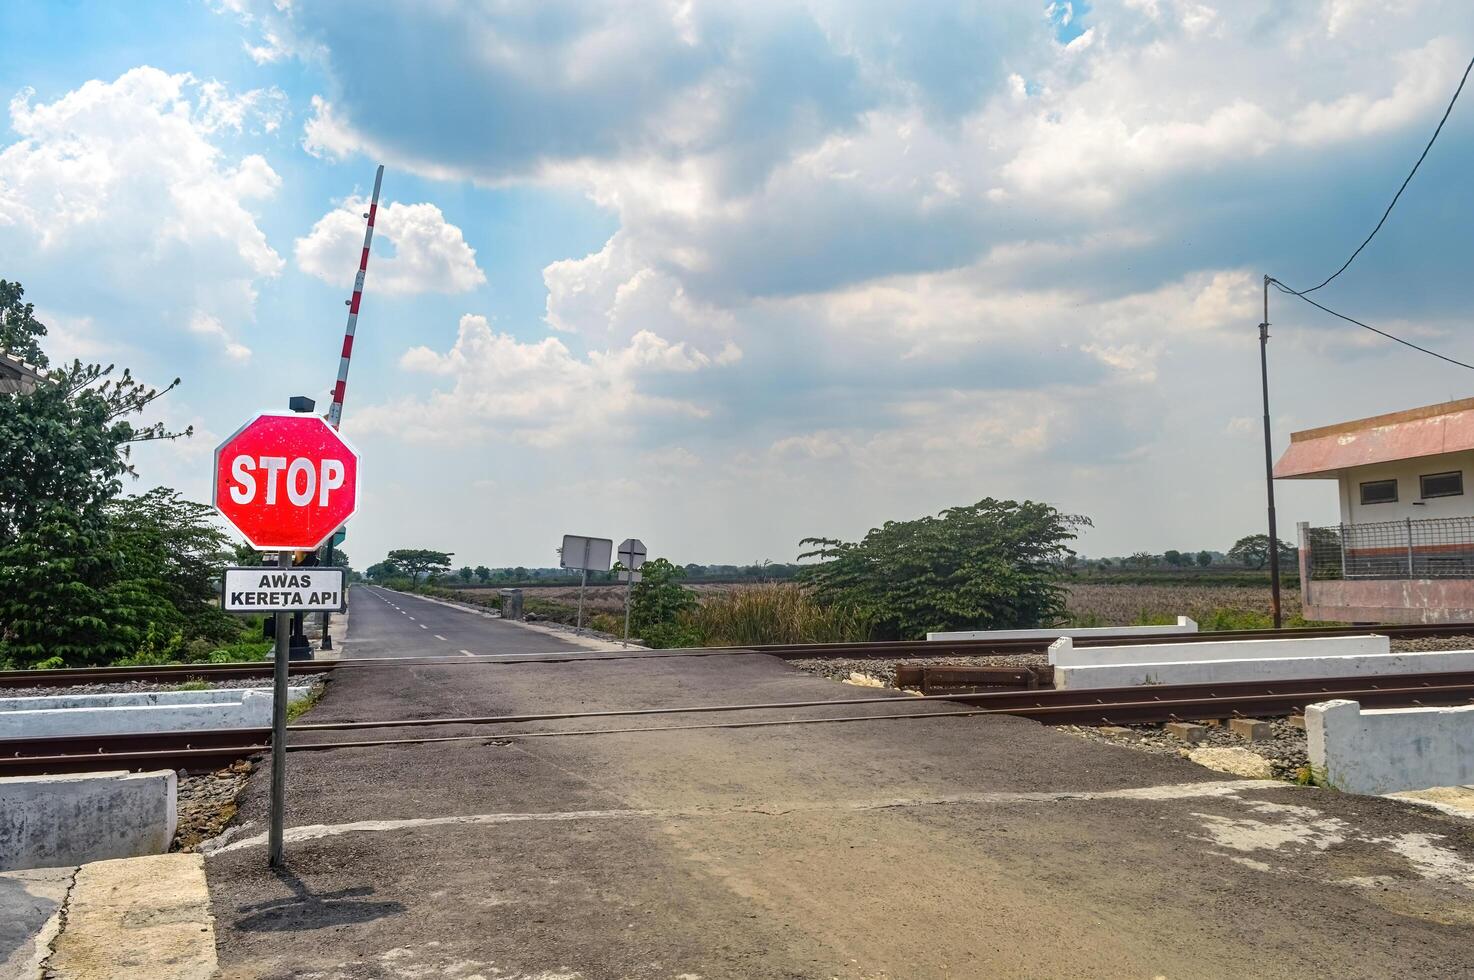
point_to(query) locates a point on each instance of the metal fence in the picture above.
(1407, 549)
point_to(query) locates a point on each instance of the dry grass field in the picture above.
(603, 597)
(1212, 606)
(1089, 603)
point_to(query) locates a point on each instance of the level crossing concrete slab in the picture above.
(940, 846)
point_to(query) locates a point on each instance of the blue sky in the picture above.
(723, 276)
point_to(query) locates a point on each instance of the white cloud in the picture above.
(415, 250)
(122, 184)
(907, 242)
(540, 393)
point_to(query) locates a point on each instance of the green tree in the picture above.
(20, 331)
(78, 586)
(415, 562)
(659, 605)
(483, 574)
(68, 443)
(65, 600)
(992, 564)
(1252, 551)
(465, 574)
(1205, 558)
(174, 547)
(1174, 558)
(381, 571)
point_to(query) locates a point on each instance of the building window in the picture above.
(1441, 484)
(1379, 492)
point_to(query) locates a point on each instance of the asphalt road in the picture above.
(923, 847)
(383, 623)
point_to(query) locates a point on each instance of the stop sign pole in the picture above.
(286, 482)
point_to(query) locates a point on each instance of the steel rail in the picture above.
(194, 750)
(1107, 714)
(1024, 700)
(69, 676)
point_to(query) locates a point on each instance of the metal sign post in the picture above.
(585, 553)
(631, 557)
(276, 855)
(286, 482)
(583, 584)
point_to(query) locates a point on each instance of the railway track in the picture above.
(882, 650)
(206, 750)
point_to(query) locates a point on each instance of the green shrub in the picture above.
(777, 614)
(665, 636)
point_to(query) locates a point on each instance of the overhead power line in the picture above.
(1406, 343)
(1405, 182)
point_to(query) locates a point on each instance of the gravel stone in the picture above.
(1285, 750)
(885, 670)
(207, 803)
(1430, 643)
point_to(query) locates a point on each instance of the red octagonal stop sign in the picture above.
(286, 481)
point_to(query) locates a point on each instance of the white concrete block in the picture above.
(1184, 625)
(133, 699)
(1063, 652)
(1268, 669)
(49, 821)
(1387, 750)
(252, 711)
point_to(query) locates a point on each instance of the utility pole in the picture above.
(1274, 541)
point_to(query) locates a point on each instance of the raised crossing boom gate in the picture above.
(287, 482)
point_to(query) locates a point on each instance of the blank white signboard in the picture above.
(594, 554)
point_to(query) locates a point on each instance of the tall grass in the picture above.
(776, 614)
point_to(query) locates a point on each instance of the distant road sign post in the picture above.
(631, 557)
(286, 481)
(585, 553)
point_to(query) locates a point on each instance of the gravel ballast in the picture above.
(207, 803)
(885, 670)
(1285, 750)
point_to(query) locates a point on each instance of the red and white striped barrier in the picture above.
(335, 413)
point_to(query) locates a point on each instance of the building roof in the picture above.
(1447, 427)
(17, 375)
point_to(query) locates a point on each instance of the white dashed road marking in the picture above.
(441, 638)
(423, 626)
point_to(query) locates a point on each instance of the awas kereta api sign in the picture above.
(252, 590)
(286, 481)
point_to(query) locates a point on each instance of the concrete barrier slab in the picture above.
(252, 711)
(1268, 669)
(1389, 750)
(146, 918)
(1063, 652)
(1183, 625)
(137, 699)
(50, 821)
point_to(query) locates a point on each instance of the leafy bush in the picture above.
(995, 564)
(660, 605)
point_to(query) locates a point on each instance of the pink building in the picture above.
(1404, 550)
